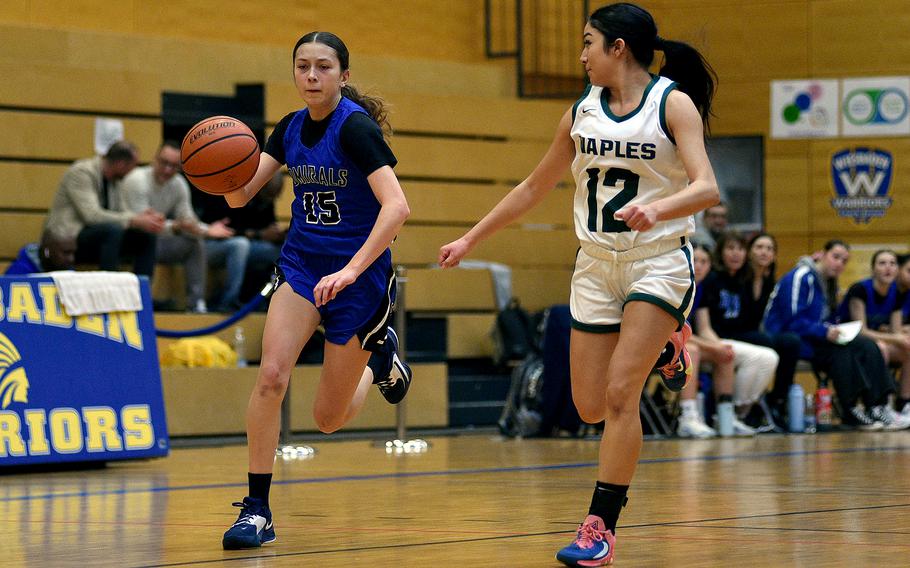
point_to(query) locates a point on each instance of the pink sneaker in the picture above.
(593, 545)
(676, 373)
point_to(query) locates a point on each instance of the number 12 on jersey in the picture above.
(611, 179)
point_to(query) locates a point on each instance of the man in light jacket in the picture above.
(89, 206)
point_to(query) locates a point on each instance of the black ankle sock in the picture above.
(607, 502)
(380, 361)
(725, 398)
(259, 486)
(900, 403)
(379, 364)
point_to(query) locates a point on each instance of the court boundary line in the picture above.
(453, 472)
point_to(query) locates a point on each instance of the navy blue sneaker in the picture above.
(253, 527)
(395, 382)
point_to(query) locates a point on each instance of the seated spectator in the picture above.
(691, 423)
(158, 187)
(804, 302)
(719, 316)
(54, 252)
(89, 204)
(711, 225)
(874, 302)
(230, 252)
(901, 322)
(759, 275)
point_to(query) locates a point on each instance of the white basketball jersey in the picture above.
(621, 160)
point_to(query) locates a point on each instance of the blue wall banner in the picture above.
(85, 388)
(861, 178)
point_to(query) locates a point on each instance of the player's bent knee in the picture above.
(272, 381)
(590, 411)
(327, 421)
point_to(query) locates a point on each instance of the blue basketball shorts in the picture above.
(363, 309)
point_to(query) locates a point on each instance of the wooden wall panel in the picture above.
(859, 38)
(29, 185)
(516, 247)
(469, 335)
(449, 290)
(467, 203)
(17, 229)
(540, 288)
(435, 30)
(206, 402)
(63, 87)
(69, 137)
(466, 159)
(786, 197)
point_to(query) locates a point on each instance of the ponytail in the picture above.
(682, 62)
(685, 65)
(374, 106)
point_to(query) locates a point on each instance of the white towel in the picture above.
(97, 292)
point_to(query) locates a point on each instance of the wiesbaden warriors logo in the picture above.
(862, 178)
(13, 380)
(66, 430)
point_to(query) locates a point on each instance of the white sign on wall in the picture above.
(875, 106)
(804, 109)
(107, 131)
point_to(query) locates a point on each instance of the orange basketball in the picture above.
(219, 154)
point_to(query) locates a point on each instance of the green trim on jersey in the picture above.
(663, 111)
(688, 297)
(578, 102)
(660, 303)
(605, 102)
(595, 328)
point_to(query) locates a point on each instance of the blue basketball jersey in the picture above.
(334, 208)
(877, 313)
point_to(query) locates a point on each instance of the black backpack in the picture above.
(521, 414)
(514, 334)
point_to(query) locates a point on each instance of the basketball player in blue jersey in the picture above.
(635, 144)
(335, 266)
(875, 302)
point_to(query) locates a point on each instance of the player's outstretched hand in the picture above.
(331, 284)
(451, 254)
(637, 217)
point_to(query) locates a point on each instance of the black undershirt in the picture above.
(360, 137)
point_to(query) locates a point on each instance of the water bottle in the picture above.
(824, 407)
(796, 405)
(810, 414)
(240, 347)
(725, 418)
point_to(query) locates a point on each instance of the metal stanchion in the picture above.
(401, 444)
(286, 450)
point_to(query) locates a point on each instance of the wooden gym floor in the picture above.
(838, 499)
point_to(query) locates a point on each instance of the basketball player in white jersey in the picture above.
(635, 143)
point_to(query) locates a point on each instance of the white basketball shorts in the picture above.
(605, 281)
